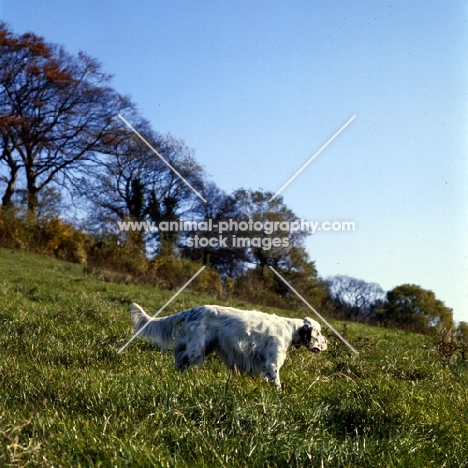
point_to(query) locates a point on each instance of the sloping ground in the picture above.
(68, 398)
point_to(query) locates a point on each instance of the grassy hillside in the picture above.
(68, 398)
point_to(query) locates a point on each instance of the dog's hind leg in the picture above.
(189, 352)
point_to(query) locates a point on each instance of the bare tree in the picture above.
(132, 183)
(170, 198)
(355, 297)
(223, 256)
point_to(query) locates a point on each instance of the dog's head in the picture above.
(311, 336)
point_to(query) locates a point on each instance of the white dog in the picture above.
(248, 341)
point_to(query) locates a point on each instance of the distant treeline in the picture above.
(71, 170)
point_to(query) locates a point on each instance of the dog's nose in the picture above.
(315, 350)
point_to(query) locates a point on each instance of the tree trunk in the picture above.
(8, 158)
(10, 188)
(33, 191)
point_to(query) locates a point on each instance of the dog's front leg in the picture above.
(271, 374)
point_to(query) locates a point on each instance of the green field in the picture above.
(68, 398)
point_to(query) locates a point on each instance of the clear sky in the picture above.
(257, 87)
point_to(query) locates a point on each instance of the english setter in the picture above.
(247, 341)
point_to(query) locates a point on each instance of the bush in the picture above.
(62, 240)
(451, 345)
(47, 236)
(174, 272)
(112, 253)
(13, 231)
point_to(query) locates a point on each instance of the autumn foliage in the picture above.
(71, 170)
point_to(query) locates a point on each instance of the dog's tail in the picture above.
(160, 331)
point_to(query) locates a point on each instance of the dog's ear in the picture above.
(308, 324)
(305, 332)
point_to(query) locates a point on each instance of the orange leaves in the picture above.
(35, 44)
(56, 232)
(57, 111)
(13, 121)
(58, 76)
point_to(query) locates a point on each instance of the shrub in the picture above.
(174, 272)
(451, 345)
(13, 231)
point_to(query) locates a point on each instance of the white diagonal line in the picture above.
(161, 309)
(157, 154)
(312, 309)
(312, 158)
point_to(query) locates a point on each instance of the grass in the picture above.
(68, 398)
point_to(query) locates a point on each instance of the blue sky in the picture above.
(257, 87)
